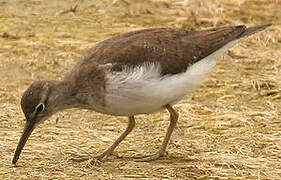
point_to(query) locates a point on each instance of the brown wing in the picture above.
(174, 49)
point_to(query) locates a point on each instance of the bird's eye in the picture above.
(40, 107)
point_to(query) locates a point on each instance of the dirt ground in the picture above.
(230, 128)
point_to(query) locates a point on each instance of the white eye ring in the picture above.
(40, 108)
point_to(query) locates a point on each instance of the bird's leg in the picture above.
(104, 155)
(131, 125)
(173, 121)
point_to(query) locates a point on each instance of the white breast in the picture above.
(142, 90)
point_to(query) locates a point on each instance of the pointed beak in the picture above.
(29, 127)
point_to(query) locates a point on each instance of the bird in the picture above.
(139, 72)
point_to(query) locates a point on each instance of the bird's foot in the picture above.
(81, 158)
(151, 157)
(98, 159)
(93, 160)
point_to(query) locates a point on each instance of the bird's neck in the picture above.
(63, 96)
(67, 94)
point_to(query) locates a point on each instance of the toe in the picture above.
(81, 158)
(148, 158)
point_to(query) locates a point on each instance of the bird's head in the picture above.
(35, 104)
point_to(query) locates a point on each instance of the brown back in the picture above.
(174, 49)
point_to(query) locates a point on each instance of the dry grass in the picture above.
(230, 128)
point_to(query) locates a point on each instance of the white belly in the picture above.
(141, 90)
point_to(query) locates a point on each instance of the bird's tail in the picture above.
(251, 30)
